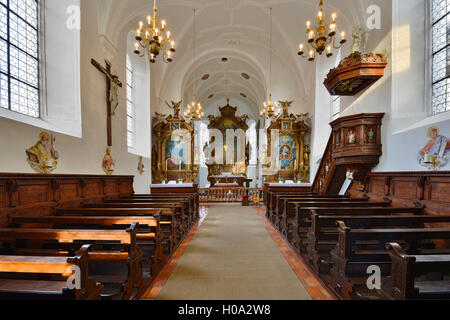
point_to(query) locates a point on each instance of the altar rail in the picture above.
(229, 194)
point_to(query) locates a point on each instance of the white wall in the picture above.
(81, 155)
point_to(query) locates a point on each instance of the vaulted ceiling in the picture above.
(239, 31)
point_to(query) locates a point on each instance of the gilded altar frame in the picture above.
(289, 126)
(163, 131)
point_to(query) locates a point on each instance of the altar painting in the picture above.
(175, 154)
(287, 153)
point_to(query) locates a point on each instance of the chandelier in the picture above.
(194, 109)
(270, 108)
(320, 38)
(154, 38)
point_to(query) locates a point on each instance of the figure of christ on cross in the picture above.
(112, 100)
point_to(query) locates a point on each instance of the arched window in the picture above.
(19, 56)
(440, 55)
(138, 101)
(131, 107)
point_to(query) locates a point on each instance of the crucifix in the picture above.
(112, 100)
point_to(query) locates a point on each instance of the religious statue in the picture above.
(141, 166)
(357, 38)
(351, 137)
(159, 117)
(113, 93)
(371, 135)
(248, 153)
(176, 106)
(108, 163)
(43, 157)
(436, 150)
(302, 116)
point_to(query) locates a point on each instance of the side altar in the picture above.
(292, 153)
(173, 154)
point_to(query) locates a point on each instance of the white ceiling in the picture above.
(238, 30)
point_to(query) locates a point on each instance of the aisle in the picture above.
(231, 256)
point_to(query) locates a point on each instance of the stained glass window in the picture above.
(441, 55)
(131, 112)
(19, 56)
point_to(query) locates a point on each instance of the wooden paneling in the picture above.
(430, 189)
(39, 195)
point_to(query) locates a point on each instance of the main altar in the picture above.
(234, 173)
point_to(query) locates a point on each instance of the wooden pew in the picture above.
(323, 235)
(287, 219)
(405, 268)
(271, 198)
(192, 198)
(149, 235)
(16, 277)
(278, 203)
(115, 246)
(286, 208)
(302, 221)
(186, 218)
(350, 261)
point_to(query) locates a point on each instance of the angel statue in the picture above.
(176, 106)
(302, 116)
(159, 117)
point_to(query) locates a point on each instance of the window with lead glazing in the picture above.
(440, 19)
(131, 112)
(19, 56)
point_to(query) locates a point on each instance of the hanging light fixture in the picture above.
(319, 38)
(271, 109)
(154, 38)
(194, 109)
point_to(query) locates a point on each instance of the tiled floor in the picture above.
(312, 284)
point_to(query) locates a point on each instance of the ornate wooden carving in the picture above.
(354, 145)
(355, 73)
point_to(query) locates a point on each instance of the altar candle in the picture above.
(427, 158)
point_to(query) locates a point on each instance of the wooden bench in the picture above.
(272, 199)
(47, 277)
(287, 219)
(191, 198)
(149, 235)
(323, 235)
(287, 207)
(186, 218)
(405, 268)
(350, 260)
(113, 248)
(278, 201)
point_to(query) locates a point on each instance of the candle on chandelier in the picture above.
(320, 15)
(149, 20)
(311, 55)
(308, 25)
(163, 24)
(333, 16)
(172, 44)
(300, 48)
(311, 36)
(168, 35)
(141, 25)
(343, 35)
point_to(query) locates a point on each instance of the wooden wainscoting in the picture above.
(39, 195)
(431, 189)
